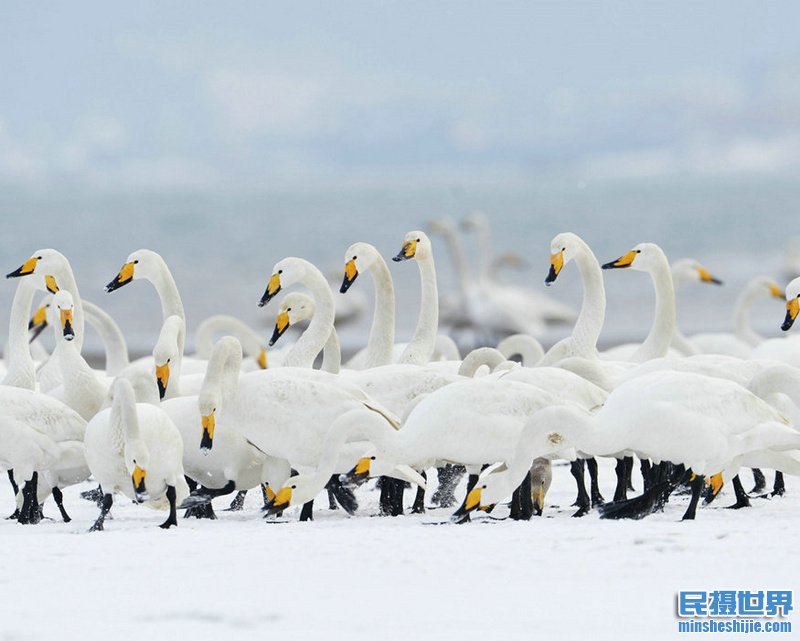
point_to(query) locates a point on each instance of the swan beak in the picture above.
(706, 277)
(124, 277)
(282, 501)
(350, 275)
(470, 504)
(66, 324)
(408, 251)
(273, 287)
(358, 475)
(716, 483)
(556, 265)
(792, 309)
(51, 284)
(262, 358)
(162, 378)
(207, 440)
(39, 318)
(281, 325)
(776, 292)
(622, 261)
(139, 488)
(27, 268)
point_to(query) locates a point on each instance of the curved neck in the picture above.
(420, 350)
(332, 354)
(657, 343)
(312, 341)
(593, 308)
(526, 346)
(124, 419)
(222, 374)
(741, 316)
(252, 344)
(381, 334)
(477, 358)
(171, 303)
(113, 339)
(21, 371)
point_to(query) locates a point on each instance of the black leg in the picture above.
(621, 491)
(629, 473)
(105, 508)
(397, 493)
(172, 519)
(385, 501)
(582, 502)
(449, 477)
(419, 499)
(741, 496)
(516, 506)
(697, 484)
(760, 481)
(307, 513)
(237, 504)
(778, 488)
(14, 485)
(59, 499)
(644, 466)
(191, 483)
(591, 465)
(525, 498)
(342, 494)
(331, 500)
(29, 513)
(201, 511)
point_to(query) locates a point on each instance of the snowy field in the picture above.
(386, 578)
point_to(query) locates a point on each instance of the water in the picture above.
(221, 248)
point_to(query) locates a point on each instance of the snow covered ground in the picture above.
(386, 578)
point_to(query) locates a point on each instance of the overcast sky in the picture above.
(254, 95)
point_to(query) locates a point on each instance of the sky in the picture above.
(250, 96)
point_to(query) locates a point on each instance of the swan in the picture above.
(744, 339)
(253, 345)
(707, 424)
(297, 307)
(527, 347)
(135, 448)
(233, 463)
(787, 349)
(20, 368)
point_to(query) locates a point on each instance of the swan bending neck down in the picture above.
(650, 258)
(168, 357)
(523, 345)
(297, 307)
(252, 344)
(380, 345)
(583, 341)
(291, 271)
(220, 384)
(417, 246)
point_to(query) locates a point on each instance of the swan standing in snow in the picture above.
(135, 448)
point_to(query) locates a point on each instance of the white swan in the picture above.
(296, 308)
(787, 349)
(134, 448)
(253, 345)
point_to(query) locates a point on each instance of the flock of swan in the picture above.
(174, 431)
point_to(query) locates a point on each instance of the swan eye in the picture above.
(563, 249)
(38, 258)
(638, 251)
(280, 271)
(288, 309)
(371, 458)
(418, 240)
(136, 262)
(483, 488)
(294, 487)
(354, 257)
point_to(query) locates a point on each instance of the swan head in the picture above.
(299, 490)
(64, 305)
(475, 221)
(141, 264)
(43, 264)
(359, 256)
(295, 308)
(764, 286)
(286, 273)
(792, 304)
(444, 226)
(563, 248)
(645, 257)
(416, 245)
(167, 351)
(207, 404)
(688, 270)
(137, 463)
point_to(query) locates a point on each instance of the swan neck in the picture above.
(380, 345)
(313, 340)
(332, 354)
(116, 348)
(221, 380)
(21, 371)
(420, 350)
(743, 329)
(590, 321)
(657, 343)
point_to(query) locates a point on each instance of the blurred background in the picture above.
(227, 137)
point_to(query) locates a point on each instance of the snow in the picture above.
(385, 578)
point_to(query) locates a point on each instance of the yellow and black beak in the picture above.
(124, 277)
(470, 504)
(706, 277)
(139, 489)
(262, 358)
(350, 275)
(358, 475)
(281, 325)
(623, 261)
(39, 318)
(283, 500)
(556, 265)
(792, 309)
(776, 292)
(66, 324)
(273, 287)
(162, 379)
(408, 251)
(207, 440)
(51, 284)
(27, 267)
